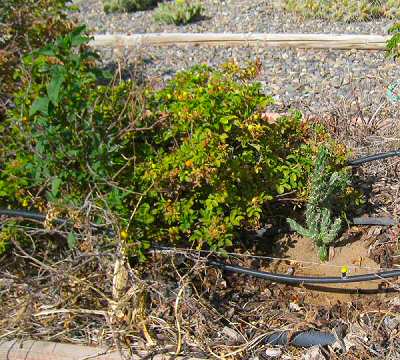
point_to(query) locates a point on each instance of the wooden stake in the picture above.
(312, 41)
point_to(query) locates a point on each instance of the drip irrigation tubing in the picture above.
(362, 220)
(298, 280)
(32, 215)
(305, 339)
(275, 277)
(379, 221)
(365, 159)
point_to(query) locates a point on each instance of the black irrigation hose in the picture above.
(29, 215)
(365, 159)
(297, 280)
(363, 220)
(379, 221)
(302, 339)
(282, 278)
(32, 215)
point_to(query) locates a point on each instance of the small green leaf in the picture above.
(78, 36)
(40, 105)
(228, 242)
(323, 253)
(227, 119)
(71, 241)
(47, 51)
(53, 88)
(55, 186)
(280, 189)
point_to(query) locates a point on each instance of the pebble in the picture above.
(294, 307)
(314, 353)
(232, 334)
(273, 352)
(391, 323)
(322, 80)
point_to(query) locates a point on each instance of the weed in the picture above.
(345, 10)
(178, 12)
(128, 5)
(24, 25)
(392, 45)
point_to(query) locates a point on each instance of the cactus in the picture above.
(320, 226)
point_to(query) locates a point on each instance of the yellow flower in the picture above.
(124, 234)
(344, 270)
(25, 203)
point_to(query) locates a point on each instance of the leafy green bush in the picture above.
(325, 187)
(193, 163)
(393, 51)
(25, 25)
(216, 165)
(128, 5)
(345, 10)
(392, 45)
(65, 128)
(178, 12)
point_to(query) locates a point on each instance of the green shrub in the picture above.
(216, 165)
(193, 163)
(325, 188)
(128, 5)
(178, 12)
(345, 10)
(392, 45)
(65, 128)
(25, 25)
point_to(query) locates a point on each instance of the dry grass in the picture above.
(173, 304)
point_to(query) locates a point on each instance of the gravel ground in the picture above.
(314, 79)
(311, 79)
(223, 16)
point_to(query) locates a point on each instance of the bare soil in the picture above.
(354, 255)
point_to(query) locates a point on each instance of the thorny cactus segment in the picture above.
(320, 226)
